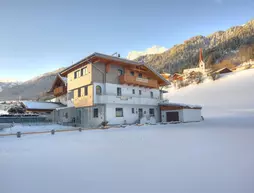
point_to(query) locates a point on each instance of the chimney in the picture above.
(200, 55)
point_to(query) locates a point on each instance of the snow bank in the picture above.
(2, 112)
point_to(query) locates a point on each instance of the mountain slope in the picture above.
(236, 44)
(228, 96)
(6, 84)
(32, 89)
(153, 50)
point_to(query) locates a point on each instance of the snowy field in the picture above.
(214, 156)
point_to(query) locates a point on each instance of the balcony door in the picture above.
(78, 117)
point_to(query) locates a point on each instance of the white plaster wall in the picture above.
(190, 115)
(87, 119)
(164, 115)
(128, 116)
(109, 95)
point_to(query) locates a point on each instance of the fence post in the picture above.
(18, 134)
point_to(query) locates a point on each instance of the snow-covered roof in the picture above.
(223, 69)
(41, 105)
(64, 79)
(181, 105)
(112, 58)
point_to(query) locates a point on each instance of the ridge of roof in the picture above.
(97, 54)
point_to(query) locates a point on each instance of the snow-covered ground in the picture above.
(2, 112)
(214, 156)
(233, 94)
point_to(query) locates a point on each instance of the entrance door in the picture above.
(78, 118)
(140, 113)
(172, 116)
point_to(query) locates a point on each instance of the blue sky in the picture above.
(41, 36)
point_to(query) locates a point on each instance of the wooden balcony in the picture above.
(61, 90)
(134, 80)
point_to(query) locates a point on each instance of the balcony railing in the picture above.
(61, 90)
(138, 100)
(134, 80)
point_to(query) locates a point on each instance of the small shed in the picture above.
(180, 112)
(40, 107)
(223, 71)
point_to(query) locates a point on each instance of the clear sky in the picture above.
(38, 36)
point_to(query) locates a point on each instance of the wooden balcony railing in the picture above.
(61, 90)
(134, 80)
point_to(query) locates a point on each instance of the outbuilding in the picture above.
(223, 71)
(40, 107)
(176, 112)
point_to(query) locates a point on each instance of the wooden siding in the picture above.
(86, 79)
(134, 80)
(84, 100)
(61, 90)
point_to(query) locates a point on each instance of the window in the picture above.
(132, 110)
(151, 112)
(133, 91)
(79, 92)
(70, 95)
(66, 115)
(86, 90)
(84, 71)
(119, 91)
(140, 92)
(120, 72)
(119, 112)
(76, 74)
(140, 75)
(151, 94)
(132, 73)
(95, 113)
(98, 90)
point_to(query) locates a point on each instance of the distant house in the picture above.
(59, 90)
(177, 77)
(223, 71)
(40, 107)
(166, 76)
